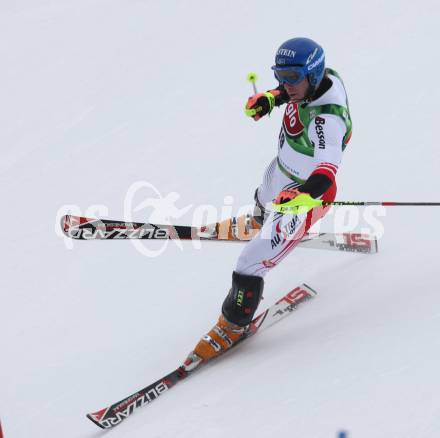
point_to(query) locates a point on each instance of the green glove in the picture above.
(260, 104)
(300, 204)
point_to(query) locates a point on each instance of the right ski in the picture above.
(232, 230)
(113, 415)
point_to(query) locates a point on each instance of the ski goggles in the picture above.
(291, 75)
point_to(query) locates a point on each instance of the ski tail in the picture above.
(113, 415)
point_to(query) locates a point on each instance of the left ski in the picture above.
(232, 230)
(113, 415)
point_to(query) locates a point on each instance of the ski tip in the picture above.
(90, 417)
(70, 222)
(65, 223)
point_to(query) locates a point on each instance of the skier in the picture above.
(315, 130)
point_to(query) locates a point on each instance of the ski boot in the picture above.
(237, 313)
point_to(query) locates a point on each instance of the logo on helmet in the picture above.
(312, 55)
(316, 63)
(286, 52)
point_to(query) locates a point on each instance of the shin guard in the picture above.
(242, 300)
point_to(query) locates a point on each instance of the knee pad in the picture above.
(242, 300)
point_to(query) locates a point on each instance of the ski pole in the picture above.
(384, 203)
(292, 206)
(252, 78)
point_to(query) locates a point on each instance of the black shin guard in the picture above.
(243, 298)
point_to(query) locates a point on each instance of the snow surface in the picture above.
(99, 94)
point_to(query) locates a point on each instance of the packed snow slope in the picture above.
(97, 95)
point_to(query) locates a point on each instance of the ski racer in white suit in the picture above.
(315, 130)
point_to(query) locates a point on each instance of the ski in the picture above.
(113, 415)
(232, 230)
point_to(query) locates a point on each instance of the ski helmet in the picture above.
(300, 58)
